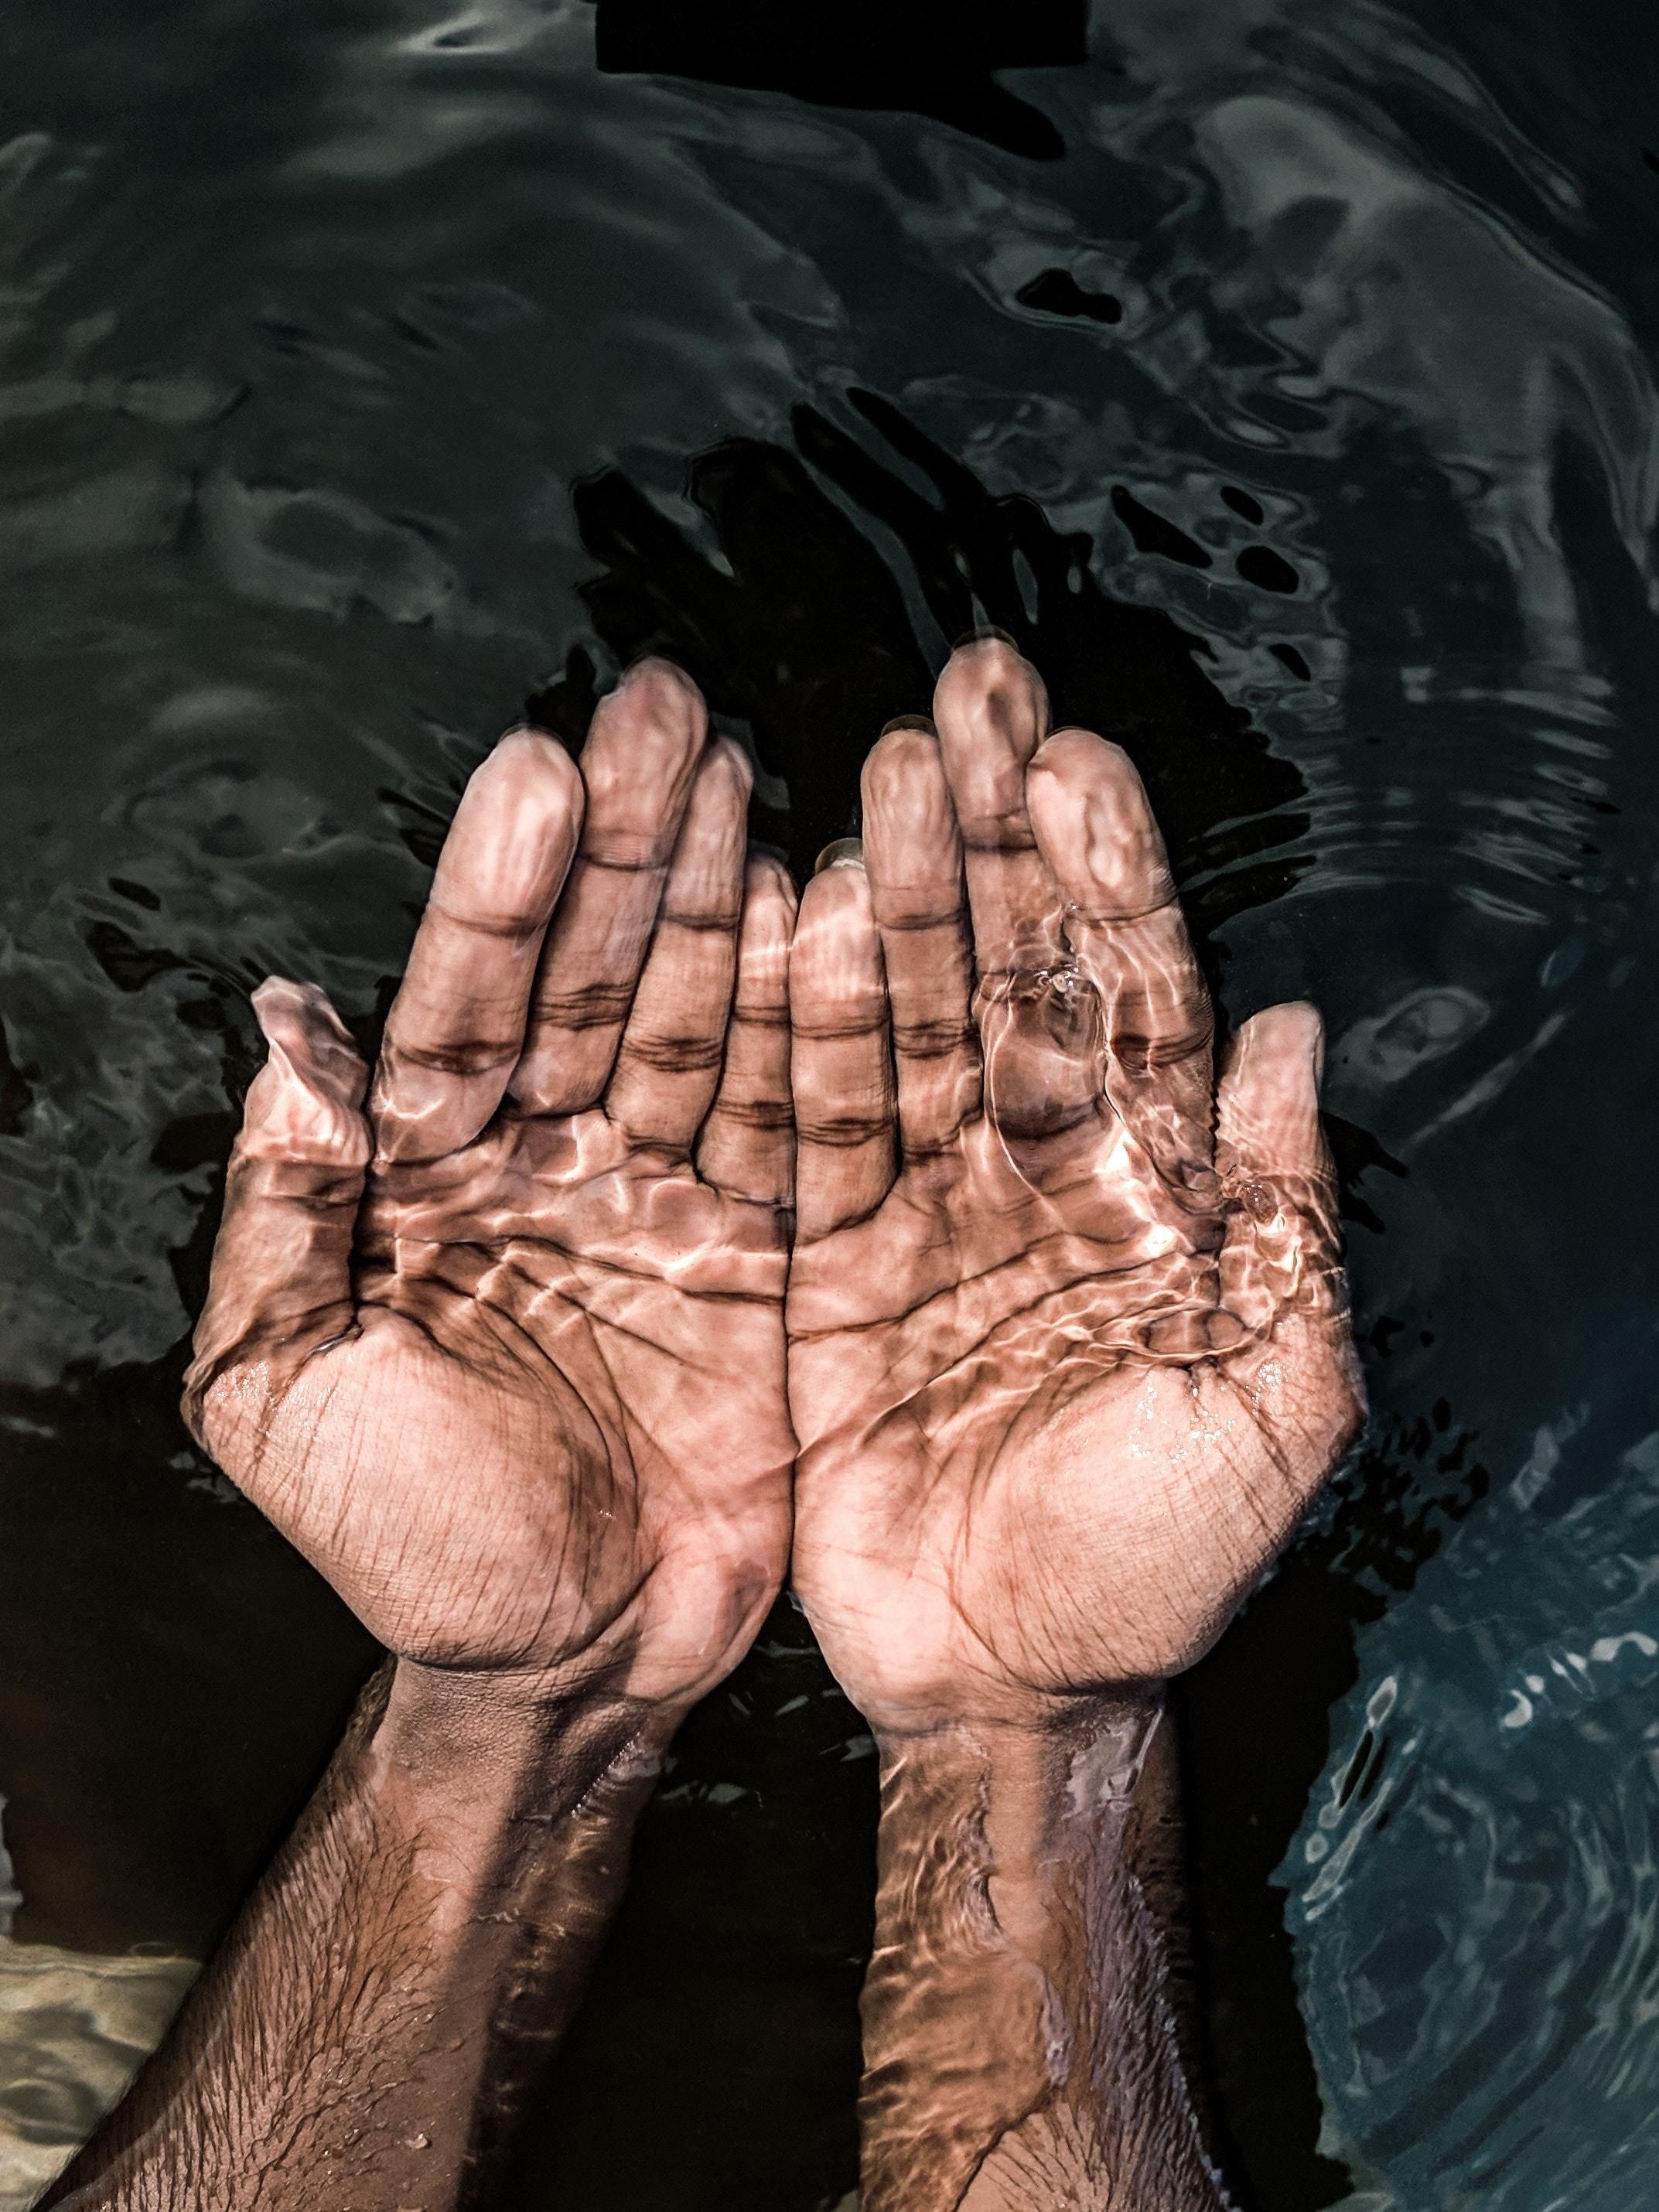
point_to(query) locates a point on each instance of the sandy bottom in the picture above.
(73, 2028)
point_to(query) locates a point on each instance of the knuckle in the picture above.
(457, 1057)
(662, 1053)
(598, 1004)
(844, 1132)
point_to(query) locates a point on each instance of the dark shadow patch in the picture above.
(1267, 570)
(16, 1090)
(1355, 1152)
(803, 632)
(936, 58)
(1057, 292)
(1151, 533)
(135, 894)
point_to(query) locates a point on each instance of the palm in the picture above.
(544, 1426)
(1063, 1385)
(577, 1421)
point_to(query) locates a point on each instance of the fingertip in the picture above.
(1267, 1099)
(531, 754)
(767, 926)
(508, 847)
(989, 680)
(306, 1102)
(712, 839)
(1095, 825)
(767, 882)
(840, 852)
(838, 890)
(644, 748)
(664, 717)
(902, 740)
(299, 1016)
(835, 954)
(278, 1000)
(1291, 1035)
(528, 777)
(991, 658)
(654, 696)
(724, 759)
(1069, 751)
(902, 779)
(1311, 1023)
(663, 684)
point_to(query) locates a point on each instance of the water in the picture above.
(1279, 377)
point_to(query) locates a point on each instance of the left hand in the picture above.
(1068, 1346)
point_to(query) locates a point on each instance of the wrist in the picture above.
(450, 1716)
(483, 1772)
(1080, 1754)
(1018, 2028)
(1030, 1799)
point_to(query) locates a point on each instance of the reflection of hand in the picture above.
(1064, 1377)
(504, 1356)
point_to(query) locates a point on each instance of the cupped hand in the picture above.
(1068, 1349)
(500, 1347)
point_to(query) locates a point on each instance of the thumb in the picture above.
(281, 1280)
(1281, 1262)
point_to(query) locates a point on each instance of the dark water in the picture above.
(1278, 374)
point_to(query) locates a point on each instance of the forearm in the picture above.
(362, 2038)
(1021, 2031)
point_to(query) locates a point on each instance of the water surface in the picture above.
(1280, 378)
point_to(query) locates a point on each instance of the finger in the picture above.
(668, 1065)
(637, 767)
(913, 859)
(280, 1281)
(840, 1068)
(991, 713)
(747, 1148)
(1095, 831)
(1283, 1292)
(1284, 1242)
(457, 1025)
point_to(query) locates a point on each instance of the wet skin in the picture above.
(1067, 1348)
(501, 1342)
(1068, 1357)
(498, 1343)
(552, 1252)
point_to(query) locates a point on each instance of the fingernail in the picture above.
(908, 722)
(843, 853)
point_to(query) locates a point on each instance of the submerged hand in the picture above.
(503, 1354)
(1068, 1352)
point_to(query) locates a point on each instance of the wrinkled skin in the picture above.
(1068, 1349)
(499, 1346)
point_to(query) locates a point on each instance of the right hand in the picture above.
(503, 1354)
(1068, 1345)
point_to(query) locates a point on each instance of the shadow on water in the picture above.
(933, 58)
(803, 634)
